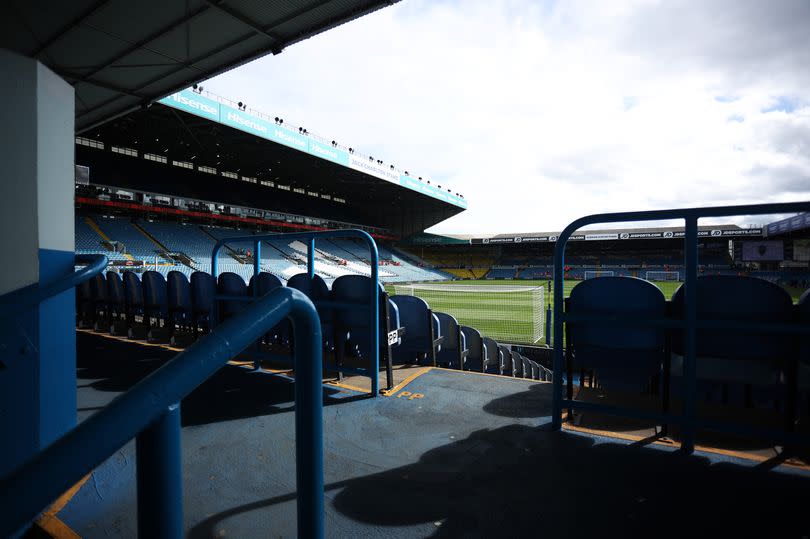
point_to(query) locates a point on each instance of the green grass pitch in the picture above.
(504, 320)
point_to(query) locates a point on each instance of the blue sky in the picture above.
(540, 113)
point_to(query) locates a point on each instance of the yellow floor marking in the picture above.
(406, 381)
(674, 443)
(50, 523)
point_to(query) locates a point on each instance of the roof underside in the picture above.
(120, 55)
(185, 137)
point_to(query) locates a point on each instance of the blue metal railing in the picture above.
(150, 412)
(311, 237)
(36, 293)
(688, 420)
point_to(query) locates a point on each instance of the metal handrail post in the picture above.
(160, 477)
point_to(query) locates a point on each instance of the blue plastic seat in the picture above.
(735, 355)
(454, 345)
(115, 294)
(178, 291)
(476, 352)
(267, 282)
(155, 299)
(98, 286)
(423, 338)
(352, 324)
(626, 356)
(535, 370)
(316, 289)
(492, 357)
(133, 294)
(84, 304)
(517, 365)
(740, 356)
(203, 290)
(231, 284)
(505, 360)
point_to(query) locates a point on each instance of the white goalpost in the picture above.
(590, 274)
(662, 275)
(505, 313)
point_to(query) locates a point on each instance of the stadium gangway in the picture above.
(688, 419)
(374, 316)
(150, 413)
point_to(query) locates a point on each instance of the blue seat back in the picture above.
(231, 284)
(618, 296)
(454, 341)
(415, 316)
(476, 352)
(178, 290)
(316, 289)
(155, 299)
(115, 292)
(505, 360)
(737, 298)
(266, 283)
(492, 356)
(624, 356)
(203, 290)
(133, 292)
(98, 287)
(517, 365)
(527, 367)
(354, 323)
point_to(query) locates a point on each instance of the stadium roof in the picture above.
(121, 55)
(175, 134)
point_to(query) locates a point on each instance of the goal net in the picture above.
(505, 313)
(591, 274)
(662, 276)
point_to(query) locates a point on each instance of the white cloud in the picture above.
(540, 113)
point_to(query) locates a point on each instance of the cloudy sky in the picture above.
(542, 112)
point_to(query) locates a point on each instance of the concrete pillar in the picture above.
(37, 345)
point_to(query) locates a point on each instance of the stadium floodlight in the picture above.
(506, 313)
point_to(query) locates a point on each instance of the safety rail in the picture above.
(150, 412)
(688, 419)
(311, 237)
(36, 293)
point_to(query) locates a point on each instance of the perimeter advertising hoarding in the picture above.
(625, 235)
(762, 251)
(205, 107)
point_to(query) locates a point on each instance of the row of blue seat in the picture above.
(162, 307)
(631, 356)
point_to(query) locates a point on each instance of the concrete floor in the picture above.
(451, 454)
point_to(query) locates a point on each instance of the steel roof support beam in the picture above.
(59, 34)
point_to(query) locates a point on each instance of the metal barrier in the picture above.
(310, 237)
(687, 420)
(150, 412)
(36, 293)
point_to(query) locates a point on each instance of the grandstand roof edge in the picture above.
(224, 111)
